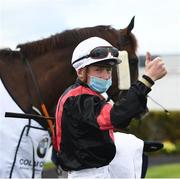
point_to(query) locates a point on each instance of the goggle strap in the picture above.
(86, 56)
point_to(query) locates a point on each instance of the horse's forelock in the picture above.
(66, 38)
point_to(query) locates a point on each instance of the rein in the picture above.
(42, 104)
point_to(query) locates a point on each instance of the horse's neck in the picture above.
(54, 74)
(13, 75)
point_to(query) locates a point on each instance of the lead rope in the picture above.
(153, 100)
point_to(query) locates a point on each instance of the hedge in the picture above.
(158, 126)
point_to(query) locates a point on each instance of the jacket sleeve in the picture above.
(92, 110)
(132, 105)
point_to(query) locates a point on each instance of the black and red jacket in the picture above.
(85, 123)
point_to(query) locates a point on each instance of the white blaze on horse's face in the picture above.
(123, 71)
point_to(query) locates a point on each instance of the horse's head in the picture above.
(125, 41)
(128, 42)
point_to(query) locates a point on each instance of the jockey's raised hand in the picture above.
(155, 68)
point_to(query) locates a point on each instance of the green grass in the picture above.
(49, 165)
(160, 171)
(164, 171)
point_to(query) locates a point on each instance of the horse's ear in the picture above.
(130, 26)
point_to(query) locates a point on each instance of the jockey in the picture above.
(85, 120)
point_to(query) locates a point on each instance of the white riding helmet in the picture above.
(82, 53)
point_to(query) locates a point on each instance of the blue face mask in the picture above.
(99, 85)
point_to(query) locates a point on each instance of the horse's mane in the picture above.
(8, 52)
(64, 39)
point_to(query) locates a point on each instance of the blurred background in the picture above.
(157, 24)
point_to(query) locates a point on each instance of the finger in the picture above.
(148, 57)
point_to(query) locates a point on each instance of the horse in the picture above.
(40, 71)
(50, 60)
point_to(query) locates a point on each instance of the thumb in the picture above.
(148, 58)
